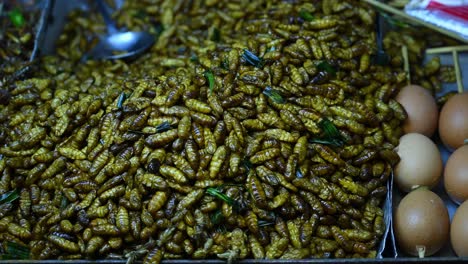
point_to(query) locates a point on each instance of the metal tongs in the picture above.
(381, 58)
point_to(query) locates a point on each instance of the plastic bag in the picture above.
(451, 15)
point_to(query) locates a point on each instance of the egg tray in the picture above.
(52, 21)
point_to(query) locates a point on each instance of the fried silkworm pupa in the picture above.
(161, 139)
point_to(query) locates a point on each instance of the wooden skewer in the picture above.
(456, 63)
(402, 14)
(406, 65)
(398, 3)
(447, 49)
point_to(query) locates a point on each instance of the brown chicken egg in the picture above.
(421, 223)
(453, 121)
(456, 175)
(420, 164)
(459, 231)
(421, 108)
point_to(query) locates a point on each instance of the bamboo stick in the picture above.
(406, 65)
(447, 49)
(398, 3)
(402, 14)
(456, 63)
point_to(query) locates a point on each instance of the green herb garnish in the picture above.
(164, 126)
(225, 64)
(121, 100)
(262, 223)
(274, 95)
(15, 251)
(64, 202)
(16, 17)
(9, 197)
(216, 35)
(306, 15)
(327, 67)
(252, 59)
(329, 128)
(330, 142)
(332, 135)
(247, 164)
(210, 78)
(216, 217)
(138, 132)
(216, 192)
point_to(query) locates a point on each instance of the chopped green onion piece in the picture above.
(14, 247)
(331, 142)
(121, 100)
(164, 126)
(306, 15)
(64, 202)
(247, 164)
(221, 228)
(265, 223)
(15, 251)
(9, 197)
(16, 17)
(137, 132)
(210, 78)
(252, 59)
(216, 192)
(327, 67)
(274, 95)
(329, 128)
(332, 135)
(216, 217)
(225, 64)
(216, 35)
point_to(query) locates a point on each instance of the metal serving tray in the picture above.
(50, 26)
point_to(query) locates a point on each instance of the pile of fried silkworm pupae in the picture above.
(251, 129)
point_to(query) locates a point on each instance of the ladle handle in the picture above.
(111, 27)
(379, 30)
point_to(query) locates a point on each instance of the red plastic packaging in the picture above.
(451, 15)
